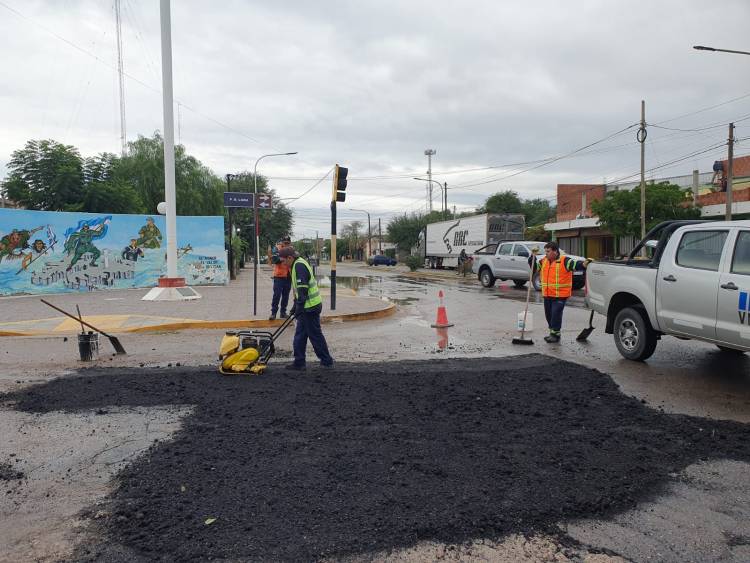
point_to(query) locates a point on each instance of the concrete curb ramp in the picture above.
(146, 323)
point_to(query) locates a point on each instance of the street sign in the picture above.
(264, 201)
(238, 199)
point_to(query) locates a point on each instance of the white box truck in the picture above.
(441, 243)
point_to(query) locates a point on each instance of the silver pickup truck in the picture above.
(693, 283)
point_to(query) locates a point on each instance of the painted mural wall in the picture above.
(55, 252)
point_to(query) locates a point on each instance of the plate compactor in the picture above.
(248, 351)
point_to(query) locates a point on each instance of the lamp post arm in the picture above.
(704, 48)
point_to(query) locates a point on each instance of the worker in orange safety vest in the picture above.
(556, 275)
(282, 280)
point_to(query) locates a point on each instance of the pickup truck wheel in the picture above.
(730, 350)
(634, 337)
(486, 277)
(519, 283)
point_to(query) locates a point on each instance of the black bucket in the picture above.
(88, 346)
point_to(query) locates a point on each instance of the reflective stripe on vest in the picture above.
(557, 280)
(313, 295)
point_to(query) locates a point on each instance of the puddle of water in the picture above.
(442, 338)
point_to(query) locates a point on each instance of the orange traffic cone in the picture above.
(442, 315)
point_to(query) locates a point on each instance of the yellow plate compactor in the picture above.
(248, 351)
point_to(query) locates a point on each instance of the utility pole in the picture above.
(641, 137)
(118, 23)
(380, 237)
(429, 153)
(730, 171)
(230, 213)
(445, 200)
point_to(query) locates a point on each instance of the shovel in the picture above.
(586, 332)
(112, 339)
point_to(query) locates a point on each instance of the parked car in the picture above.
(381, 260)
(692, 284)
(509, 261)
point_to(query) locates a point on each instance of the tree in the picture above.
(103, 193)
(502, 202)
(404, 230)
(620, 211)
(350, 233)
(198, 190)
(45, 175)
(536, 211)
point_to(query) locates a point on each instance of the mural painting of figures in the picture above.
(149, 235)
(132, 251)
(80, 240)
(97, 252)
(12, 245)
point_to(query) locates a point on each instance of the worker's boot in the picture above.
(552, 338)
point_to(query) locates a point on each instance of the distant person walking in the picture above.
(307, 306)
(282, 280)
(556, 274)
(461, 262)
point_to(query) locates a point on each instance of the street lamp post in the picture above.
(443, 188)
(257, 226)
(369, 232)
(730, 141)
(429, 153)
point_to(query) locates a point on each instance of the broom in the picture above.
(527, 341)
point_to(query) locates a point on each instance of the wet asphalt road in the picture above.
(686, 377)
(702, 515)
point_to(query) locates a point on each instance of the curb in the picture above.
(238, 323)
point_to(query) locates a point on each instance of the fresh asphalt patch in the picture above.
(366, 458)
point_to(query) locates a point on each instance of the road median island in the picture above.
(354, 309)
(371, 458)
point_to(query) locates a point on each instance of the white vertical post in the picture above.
(123, 139)
(169, 175)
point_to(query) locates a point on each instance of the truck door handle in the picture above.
(670, 278)
(729, 285)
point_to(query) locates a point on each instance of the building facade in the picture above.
(577, 229)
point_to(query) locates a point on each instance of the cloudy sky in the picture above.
(499, 89)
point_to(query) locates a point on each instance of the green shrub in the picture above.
(414, 262)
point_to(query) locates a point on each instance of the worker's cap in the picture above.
(286, 239)
(287, 251)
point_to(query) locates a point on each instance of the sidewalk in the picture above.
(123, 311)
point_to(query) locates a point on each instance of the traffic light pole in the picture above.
(339, 194)
(333, 250)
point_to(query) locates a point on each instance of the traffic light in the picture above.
(339, 183)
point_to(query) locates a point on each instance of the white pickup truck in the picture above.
(510, 261)
(694, 284)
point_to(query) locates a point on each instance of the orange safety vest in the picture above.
(557, 280)
(281, 270)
